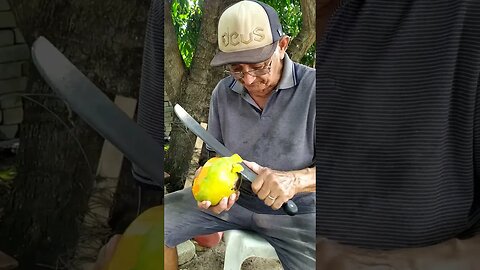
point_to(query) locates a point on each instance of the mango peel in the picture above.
(217, 179)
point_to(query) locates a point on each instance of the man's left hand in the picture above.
(272, 186)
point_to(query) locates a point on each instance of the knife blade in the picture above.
(97, 110)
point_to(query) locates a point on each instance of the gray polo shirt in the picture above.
(280, 137)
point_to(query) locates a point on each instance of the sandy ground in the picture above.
(212, 259)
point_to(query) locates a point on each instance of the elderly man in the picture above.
(265, 112)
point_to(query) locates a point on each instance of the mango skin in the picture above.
(141, 245)
(217, 179)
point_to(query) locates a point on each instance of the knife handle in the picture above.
(290, 208)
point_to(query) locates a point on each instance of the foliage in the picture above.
(8, 174)
(290, 14)
(187, 14)
(186, 17)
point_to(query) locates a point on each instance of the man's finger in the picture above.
(257, 184)
(204, 204)
(269, 201)
(263, 192)
(221, 206)
(253, 166)
(231, 200)
(278, 203)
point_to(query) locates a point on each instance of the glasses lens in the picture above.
(253, 72)
(237, 75)
(259, 72)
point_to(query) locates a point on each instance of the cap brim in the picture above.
(244, 57)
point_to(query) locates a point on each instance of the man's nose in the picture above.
(248, 79)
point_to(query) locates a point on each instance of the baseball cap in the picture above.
(248, 32)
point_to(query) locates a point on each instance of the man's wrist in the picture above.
(304, 180)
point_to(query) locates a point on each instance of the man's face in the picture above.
(261, 78)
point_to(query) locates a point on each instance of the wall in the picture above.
(14, 55)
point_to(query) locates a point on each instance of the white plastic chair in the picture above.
(240, 245)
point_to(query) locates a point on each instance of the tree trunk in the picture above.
(104, 39)
(304, 40)
(193, 91)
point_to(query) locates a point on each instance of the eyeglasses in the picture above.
(253, 72)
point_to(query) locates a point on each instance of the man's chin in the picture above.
(257, 90)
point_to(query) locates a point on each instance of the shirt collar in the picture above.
(288, 79)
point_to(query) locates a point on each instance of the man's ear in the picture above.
(283, 44)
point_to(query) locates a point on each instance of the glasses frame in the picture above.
(252, 72)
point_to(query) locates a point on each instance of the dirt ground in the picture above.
(212, 259)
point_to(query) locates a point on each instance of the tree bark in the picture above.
(194, 90)
(104, 39)
(304, 40)
(174, 66)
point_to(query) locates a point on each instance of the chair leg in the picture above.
(234, 255)
(241, 245)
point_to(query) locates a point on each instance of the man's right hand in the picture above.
(224, 205)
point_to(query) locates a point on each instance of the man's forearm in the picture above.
(305, 180)
(454, 254)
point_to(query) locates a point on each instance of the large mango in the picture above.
(217, 179)
(141, 246)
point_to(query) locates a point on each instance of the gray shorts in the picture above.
(292, 237)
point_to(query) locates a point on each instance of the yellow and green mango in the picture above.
(217, 179)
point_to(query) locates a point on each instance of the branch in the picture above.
(174, 66)
(300, 44)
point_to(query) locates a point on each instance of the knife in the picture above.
(289, 207)
(97, 110)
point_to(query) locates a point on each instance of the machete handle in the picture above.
(290, 208)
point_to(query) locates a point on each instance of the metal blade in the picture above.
(97, 110)
(289, 207)
(219, 148)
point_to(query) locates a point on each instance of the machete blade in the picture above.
(97, 110)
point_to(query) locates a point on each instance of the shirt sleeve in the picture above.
(150, 104)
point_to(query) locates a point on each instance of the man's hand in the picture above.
(224, 205)
(273, 187)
